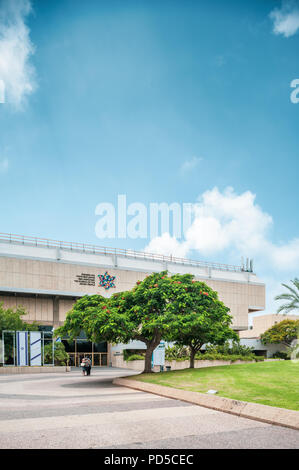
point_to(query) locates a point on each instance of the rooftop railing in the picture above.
(102, 250)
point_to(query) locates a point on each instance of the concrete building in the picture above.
(260, 324)
(47, 276)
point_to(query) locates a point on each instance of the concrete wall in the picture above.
(40, 309)
(36, 277)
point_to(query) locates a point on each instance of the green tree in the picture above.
(147, 308)
(99, 318)
(11, 319)
(138, 314)
(155, 308)
(201, 317)
(292, 298)
(283, 332)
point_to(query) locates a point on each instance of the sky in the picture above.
(161, 101)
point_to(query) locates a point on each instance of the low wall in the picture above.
(33, 370)
(118, 361)
(177, 365)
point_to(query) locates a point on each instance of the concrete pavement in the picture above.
(72, 411)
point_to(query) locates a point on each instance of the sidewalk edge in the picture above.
(243, 409)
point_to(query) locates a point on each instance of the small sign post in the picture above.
(159, 355)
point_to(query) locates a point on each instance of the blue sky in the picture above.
(162, 101)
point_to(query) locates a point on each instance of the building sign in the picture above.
(106, 281)
(159, 355)
(85, 279)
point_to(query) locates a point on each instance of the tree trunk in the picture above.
(148, 360)
(150, 346)
(192, 356)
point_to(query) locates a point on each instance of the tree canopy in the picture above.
(11, 319)
(139, 314)
(283, 332)
(201, 317)
(160, 306)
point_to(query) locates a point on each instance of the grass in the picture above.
(268, 383)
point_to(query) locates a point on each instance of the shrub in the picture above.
(235, 348)
(281, 355)
(228, 357)
(135, 357)
(60, 355)
(127, 353)
(177, 352)
(259, 358)
(226, 352)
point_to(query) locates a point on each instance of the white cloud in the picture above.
(3, 165)
(286, 19)
(167, 245)
(234, 225)
(16, 50)
(189, 165)
(285, 256)
(231, 223)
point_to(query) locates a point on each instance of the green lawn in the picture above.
(269, 383)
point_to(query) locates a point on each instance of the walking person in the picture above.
(84, 366)
(88, 366)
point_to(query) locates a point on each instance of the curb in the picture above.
(243, 409)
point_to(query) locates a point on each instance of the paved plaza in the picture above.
(67, 410)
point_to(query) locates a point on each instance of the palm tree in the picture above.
(292, 297)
